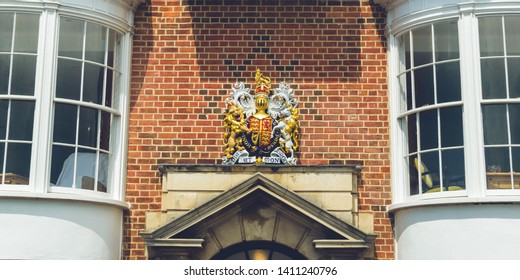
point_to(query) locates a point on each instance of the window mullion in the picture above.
(471, 96)
(438, 115)
(44, 84)
(508, 96)
(399, 159)
(418, 116)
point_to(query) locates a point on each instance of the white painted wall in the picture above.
(472, 232)
(59, 229)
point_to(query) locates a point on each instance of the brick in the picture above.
(188, 54)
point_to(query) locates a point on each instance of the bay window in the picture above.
(458, 106)
(63, 100)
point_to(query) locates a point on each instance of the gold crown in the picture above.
(263, 83)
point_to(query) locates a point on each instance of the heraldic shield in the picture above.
(261, 127)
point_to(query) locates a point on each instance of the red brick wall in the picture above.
(188, 54)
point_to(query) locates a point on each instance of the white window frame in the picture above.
(35, 98)
(115, 114)
(504, 101)
(404, 112)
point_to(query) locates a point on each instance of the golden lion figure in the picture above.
(234, 122)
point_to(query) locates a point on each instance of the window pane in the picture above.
(446, 41)
(516, 159)
(448, 82)
(6, 31)
(93, 83)
(412, 133)
(428, 127)
(22, 119)
(109, 86)
(409, 91)
(79, 169)
(430, 171)
(497, 168)
(513, 73)
(422, 45)
(495, 124)
(424, 87)
(512, 36)
(65, 118)
(103, 172)
(497, 159)
(113, 95)
(451, 127)
(5, 62)
(59, 155)
(413, 175)
(24, 74)
(105, 131)
(26, 34)
(404, 54)
(95, 43)
(113, 37)
(69, 79)
(514, 120)
(491, 39)
(71, 38)
(88, 127)
(493, 78)
(18, 159)
(4, 106)
(2, 156)
(453, 170)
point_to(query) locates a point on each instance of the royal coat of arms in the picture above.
(261, 127)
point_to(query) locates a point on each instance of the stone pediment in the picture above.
(258, 209)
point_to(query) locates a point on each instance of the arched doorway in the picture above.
(258, 250)
(258, 219)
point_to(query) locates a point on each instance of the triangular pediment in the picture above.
(258, 209)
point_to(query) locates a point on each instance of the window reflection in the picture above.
(451, 127)
(512, 38)
(453, 169)
(495, 124)
(21, 120)
(95, 43)
(18, 159)
(6, 31)
(5, 65)
(424, 89)
(422, 45)
(428, 127)
(23, 74)
(94, 76)
(26, 35)
(446, 41)
(493, 78)
(448, 82)
(490, 34)
(71, 38)
(513, 74)
(68, 83)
